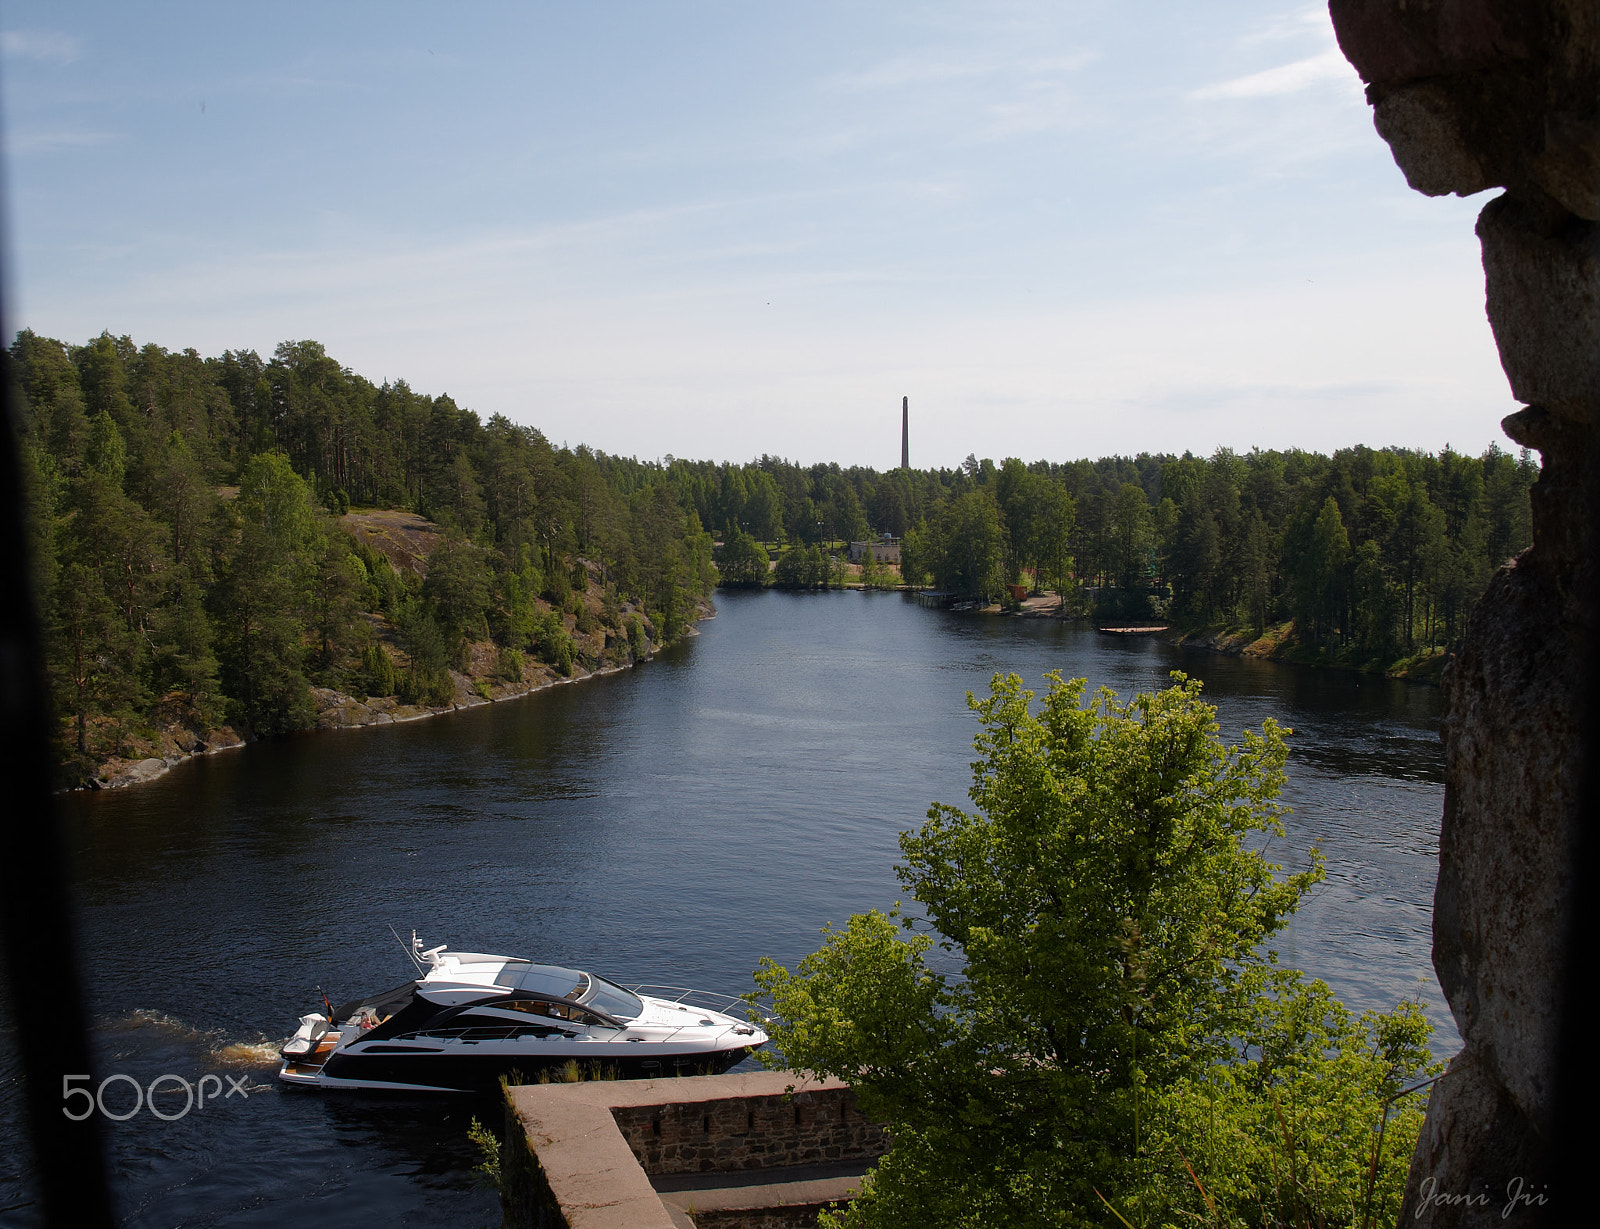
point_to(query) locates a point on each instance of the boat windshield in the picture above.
(612, 999)
(553, 980)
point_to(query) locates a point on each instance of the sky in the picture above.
(722, 228)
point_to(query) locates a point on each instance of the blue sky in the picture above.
(719, 229)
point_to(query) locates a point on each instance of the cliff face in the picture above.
(1474, 94)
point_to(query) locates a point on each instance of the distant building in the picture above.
(885, 549)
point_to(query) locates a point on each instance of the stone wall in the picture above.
(580, 1156)
(806, 1127)
(799, 1216)
(1471, 95)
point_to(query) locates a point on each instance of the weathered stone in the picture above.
(1542, 272)
(335, 710)
(1474, 1148)
(224, 739)
(1504, 845)
(1568, 165)
(1492, 92)
(1423, 130)
(1472, 94)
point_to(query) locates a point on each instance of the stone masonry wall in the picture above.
(807, 1127)
(581, 1156)
(796, 1216)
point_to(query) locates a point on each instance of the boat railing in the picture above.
(705, 1000)
(481, 1032)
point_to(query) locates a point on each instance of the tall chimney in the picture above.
(905, 433)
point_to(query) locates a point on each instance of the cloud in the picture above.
(1289, 26)
(47, 46)
(47, 140)
(708, 369)
(929, 68)
(1329, 65)
(912, 70)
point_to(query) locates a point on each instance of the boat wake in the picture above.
(256, 1055)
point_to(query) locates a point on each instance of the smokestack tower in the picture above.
(905, 433)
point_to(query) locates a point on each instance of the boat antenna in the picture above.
(411, 952)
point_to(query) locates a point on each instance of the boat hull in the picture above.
(418, 1071)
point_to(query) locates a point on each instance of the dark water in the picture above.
(670, 824)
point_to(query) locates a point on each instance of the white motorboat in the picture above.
(472, 1017)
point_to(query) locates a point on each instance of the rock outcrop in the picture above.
(1470, 95)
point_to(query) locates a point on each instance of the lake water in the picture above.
(673, 823)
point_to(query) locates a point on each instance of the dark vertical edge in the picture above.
(905, 433)
(1575, 1131)
(37, 941)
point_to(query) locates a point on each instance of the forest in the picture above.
(1373, 554)
(192, 563)
(191, 535)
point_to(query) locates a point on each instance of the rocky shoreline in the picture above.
(1278, 644)
(336, 710)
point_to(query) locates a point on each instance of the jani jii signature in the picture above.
(1518, 1195)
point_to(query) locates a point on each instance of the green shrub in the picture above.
(377, 677)
(558, 588)
(508, 665)
(428, 680)
(551, 640)
(488, 1145)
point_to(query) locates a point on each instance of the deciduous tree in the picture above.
(1108, 904)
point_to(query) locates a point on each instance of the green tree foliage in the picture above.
(266, 567)
(457, 589)
(801, 567)
(744, 561)
(378, 676)
(106, 454)
(1110, 904)
(91, 657)
(427, 676)
(129, 452)
(876, 575)
(551, 641)
(163, 591)
(962, 548)
(1319, 574)
(1287, 1133)
(916, 551)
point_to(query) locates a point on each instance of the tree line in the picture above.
(186, 513)
(1374, 552)
(191, 562)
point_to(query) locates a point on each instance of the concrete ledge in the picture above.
(589, 1150)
